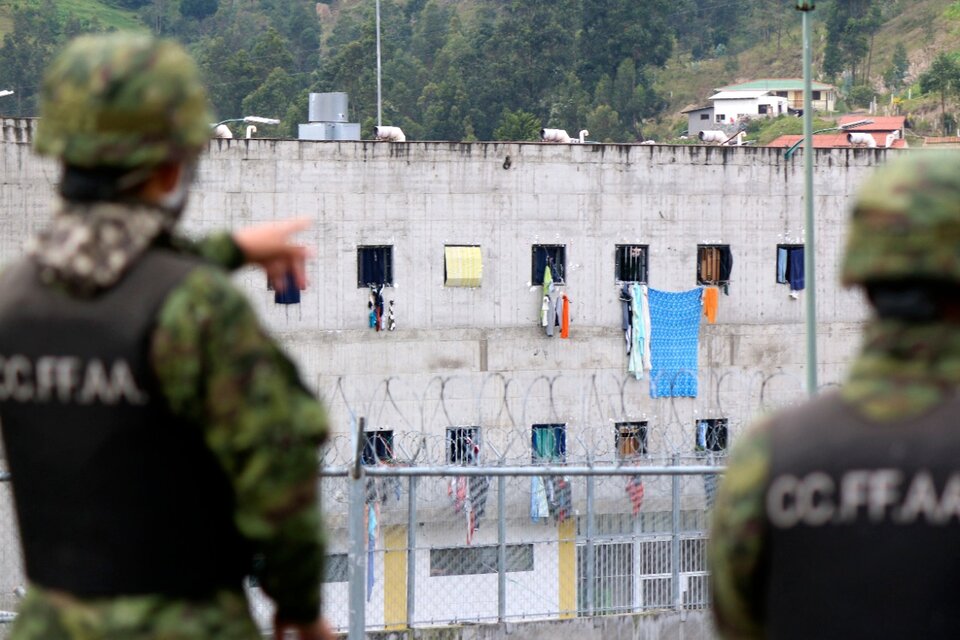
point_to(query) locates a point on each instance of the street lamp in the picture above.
(6, 92)
(809, 242)
(850, 125)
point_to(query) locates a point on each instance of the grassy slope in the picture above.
(83, 9)
(921, 27)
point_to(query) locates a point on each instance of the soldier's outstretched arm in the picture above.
(737, 538)
(270, 245)
(217, 366)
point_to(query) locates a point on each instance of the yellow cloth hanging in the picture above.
(464, 266)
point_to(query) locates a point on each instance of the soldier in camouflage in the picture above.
(840, 519)
(162, 446)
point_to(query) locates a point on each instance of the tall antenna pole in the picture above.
(379, 98)
(810, 247)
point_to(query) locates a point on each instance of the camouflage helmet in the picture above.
(906, 222)
(122, 100)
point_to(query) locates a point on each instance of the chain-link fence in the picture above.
(511, 499)
(445, 545)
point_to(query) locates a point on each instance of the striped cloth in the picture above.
(674, 341)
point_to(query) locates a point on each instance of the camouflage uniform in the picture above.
(905, 226)
(215, 365)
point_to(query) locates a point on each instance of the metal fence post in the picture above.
(412, 552)
(675, 539)
(356, 574)
(590, 552)
(501, 549)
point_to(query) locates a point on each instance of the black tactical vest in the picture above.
(864, 525)
(114, 494)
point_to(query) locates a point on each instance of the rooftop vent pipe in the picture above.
(389, 134)
(555, 135)
(713, 136)
(857, 139)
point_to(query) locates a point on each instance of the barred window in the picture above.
(467, 561)
(631, 263)
(377, 446)
(714, 264)
(463, 445)
(335, 567)
(631, 439)
(712, 434)
(374, 266)
(552, 255)
(549, 443)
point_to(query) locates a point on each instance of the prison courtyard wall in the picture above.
(506, 197)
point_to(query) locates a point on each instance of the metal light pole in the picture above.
(810, 250)
(379, 99)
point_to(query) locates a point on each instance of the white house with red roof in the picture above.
(886, 132)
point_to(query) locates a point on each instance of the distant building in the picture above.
(729, 107)
(699, 119)
(887, 132)
(824, 95)
(942, 142)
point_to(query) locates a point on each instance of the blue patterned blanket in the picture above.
(674, 338)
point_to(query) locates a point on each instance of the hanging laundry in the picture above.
(539, 508)
(547, 279)
(391, 318)
(457, 492)
(371, 544)
(544, 310)
(479, 487)
(782, 265)
(626, 301)
(375, 304)
(638, 351)
(565, 317)
(674, 341)
(710, 483)
(634, 490)
(645, 316)
(795, 268)
(564, 499)
(711, 299)
(726, 263)
(552, 310)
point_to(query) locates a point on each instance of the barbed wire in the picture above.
(415, 421)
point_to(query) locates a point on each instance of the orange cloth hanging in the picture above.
(565, 319)
(711, 298)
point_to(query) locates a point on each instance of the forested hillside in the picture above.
(488, 69)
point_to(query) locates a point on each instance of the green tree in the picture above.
(27, 49)
(271, 98)
(851, 25)
(604, 124)
(518, 125)
(618, 29)
(895, 74)
(861, 95)
(198, 9)
(568, 104)
(942, 77)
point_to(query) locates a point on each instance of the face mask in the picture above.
(175, 201)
